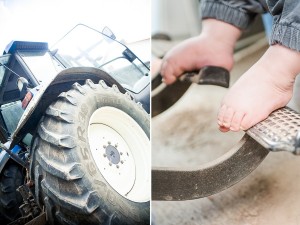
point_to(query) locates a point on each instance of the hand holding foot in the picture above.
(213, 47)
(265, 87)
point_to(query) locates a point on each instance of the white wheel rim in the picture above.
(121, 151)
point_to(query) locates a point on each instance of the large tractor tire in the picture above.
(92, 158)
(11, 178)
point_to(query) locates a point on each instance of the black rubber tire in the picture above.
(68, 182)
(11, 178)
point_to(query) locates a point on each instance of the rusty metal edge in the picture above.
(39, 220)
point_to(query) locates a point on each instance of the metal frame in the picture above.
(279, 132)
(174, 184)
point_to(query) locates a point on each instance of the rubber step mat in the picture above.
(279, 132)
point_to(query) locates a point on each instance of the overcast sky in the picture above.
(49, 20)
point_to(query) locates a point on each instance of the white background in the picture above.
(49, 20)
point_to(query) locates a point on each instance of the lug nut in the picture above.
(117, 166)
(109, 142)
(122, 161)
(110, 164)
(121, 153)
(104, 155)
(116, 145)
(104, 146)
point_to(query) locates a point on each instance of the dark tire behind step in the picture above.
(11, 178)
(68, 180)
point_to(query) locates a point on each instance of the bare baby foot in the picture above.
(214, 46)
(265, 87)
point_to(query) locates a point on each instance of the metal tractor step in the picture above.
(279, 132)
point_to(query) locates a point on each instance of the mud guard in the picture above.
(47, 93)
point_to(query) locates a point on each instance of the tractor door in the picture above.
(10, 98)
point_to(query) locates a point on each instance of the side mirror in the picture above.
(22, 83)
(108, 32)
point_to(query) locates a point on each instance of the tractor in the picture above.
(74, 131)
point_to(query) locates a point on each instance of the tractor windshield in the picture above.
(84, 46)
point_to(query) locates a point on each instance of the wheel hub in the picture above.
(112, 154)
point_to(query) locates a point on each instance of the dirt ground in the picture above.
(187, 135)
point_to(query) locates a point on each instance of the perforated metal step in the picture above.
(279, 132)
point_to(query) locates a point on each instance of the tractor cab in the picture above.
(39, 65)
(13, 66)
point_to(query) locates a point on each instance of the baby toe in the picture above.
(167, 74)
(224, 129)
(247, 122)
(227, 117)
(221, 113)
(236, 121)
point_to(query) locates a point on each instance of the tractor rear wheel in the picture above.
(92, 158)
(11, 178)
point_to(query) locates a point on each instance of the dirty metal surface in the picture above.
(212, 75)
(168, 96)
(163, 97)
(39, 220)
(173, 184)
(279, 132)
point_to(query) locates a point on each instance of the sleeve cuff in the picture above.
(226, 13)
(286, 35)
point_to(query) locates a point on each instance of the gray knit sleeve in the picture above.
(286, 23)
(239, 13)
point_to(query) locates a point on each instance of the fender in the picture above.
(48, 92)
